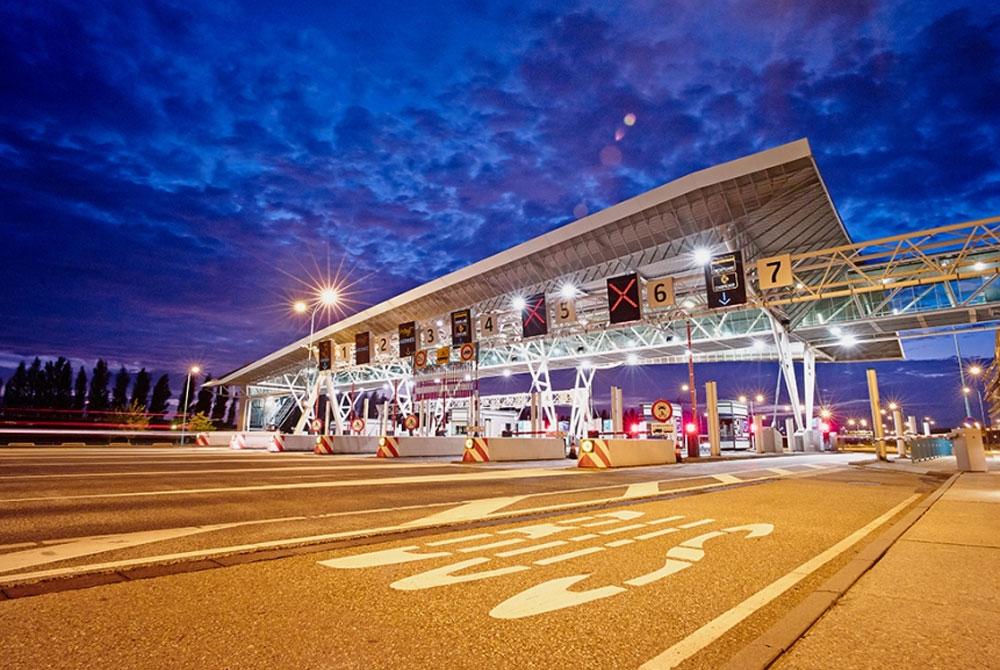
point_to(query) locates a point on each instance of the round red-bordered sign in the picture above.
(317, 425)
(467, 352)
(662, 411)
(420, 358)
(358, 425)
(411, 422)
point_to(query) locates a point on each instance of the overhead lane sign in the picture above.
(534, 316)
(623, 298)
(407, 339)
(461, 327)
(724, 282)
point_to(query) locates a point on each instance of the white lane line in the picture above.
(457, 540)
(17, 545)
(536, 547)
(623, 529)
(218, 471)
(485, 475)
(781, 471)
(475, 509)
(642, 490)
(619, 543)
(583, 538)
(695, 524)
(726, 621)
(558, 558)
(726, 479)
(492, 545)
(814, 466)
(50, 553)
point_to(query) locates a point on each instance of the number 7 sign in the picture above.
(775, 272)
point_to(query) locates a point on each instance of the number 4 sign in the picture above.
(775, 272)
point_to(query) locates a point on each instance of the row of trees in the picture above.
(51, 391)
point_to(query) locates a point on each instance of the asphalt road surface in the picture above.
(423, 564)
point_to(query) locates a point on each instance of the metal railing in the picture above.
(928, 448)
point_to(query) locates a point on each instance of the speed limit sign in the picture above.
(662, 410)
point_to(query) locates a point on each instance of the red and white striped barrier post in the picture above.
(277, 443)
(477, 450)
(388, 447)
(238, 441)
(324, 444)
(201, 440)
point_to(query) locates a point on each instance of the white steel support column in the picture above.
(712, 405)
(579, 418)
(809, 381)
(542, 383)
(306, 408)
(787, 364)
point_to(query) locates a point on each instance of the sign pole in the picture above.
(693, 450)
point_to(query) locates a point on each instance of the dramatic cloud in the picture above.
(171, 175)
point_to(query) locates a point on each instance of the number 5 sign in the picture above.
(775, 272)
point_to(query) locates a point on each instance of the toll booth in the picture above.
(734, 425)
(494, 422)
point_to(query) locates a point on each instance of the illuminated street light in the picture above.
(825, 413)
(518, 303)
(329, 296)
(702, 256)
(966, 390)
(193, 370)
(631, 359)
(742, 399)
(300, 307)
(685, 387)
(507, 372)
(759, 397)
(893, 406)
(975, 370)
(567, 292)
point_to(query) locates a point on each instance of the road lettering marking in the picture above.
(374, 559)
(445, 576)
(720, 625)
(695, 524)
(492, 545)
(619, 543)
(456, 540)
(550, 596)
(526, 550)
(559, 558)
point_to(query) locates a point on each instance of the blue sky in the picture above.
(173, 172)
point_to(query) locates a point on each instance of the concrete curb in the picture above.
(780, 637)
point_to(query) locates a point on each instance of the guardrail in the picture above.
(927, 448)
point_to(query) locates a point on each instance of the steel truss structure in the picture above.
(845, 301)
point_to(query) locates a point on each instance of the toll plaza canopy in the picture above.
(748, 259)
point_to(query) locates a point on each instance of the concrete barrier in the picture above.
(281, 442)
(403, 446)
(600, 453)
(486, 449)
(214, 438)
(346, 444)
(261, 440)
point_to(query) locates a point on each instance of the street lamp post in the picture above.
(975, 371)
(193, 370)
(327, 297)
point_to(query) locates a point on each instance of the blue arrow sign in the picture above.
(724, 299)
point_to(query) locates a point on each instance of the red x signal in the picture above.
(623, 294)
(532, 312)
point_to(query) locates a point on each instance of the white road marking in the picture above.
(372, 559)
(485, 475)
(526, 550)
(536, 531)
(51, 553)
(666, 519)
(475, 509)
(622, 529)
(657, 533)
(695, 524)
(581, 538)
(719, 626)
(457, 540)
(781, 471)
(220, 471)
(814, 466)
(726, 479)
(492, 545)
(558, 558)
(548, 596)
(642, 490)
(444, 576)
(619, 543)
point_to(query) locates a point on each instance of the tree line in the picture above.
(51, 392)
